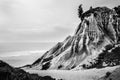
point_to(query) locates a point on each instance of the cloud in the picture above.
(41, 20)
(55, 34)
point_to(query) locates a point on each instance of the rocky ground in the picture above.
(89, 74)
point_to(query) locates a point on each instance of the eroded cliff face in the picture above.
(99, 27)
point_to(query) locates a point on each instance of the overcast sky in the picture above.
(42, 20)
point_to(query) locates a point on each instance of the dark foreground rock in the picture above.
(9, 73)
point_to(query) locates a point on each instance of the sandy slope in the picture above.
(91, 74)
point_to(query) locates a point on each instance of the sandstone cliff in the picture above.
(99, 28)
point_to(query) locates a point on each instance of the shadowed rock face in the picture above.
(99, 27)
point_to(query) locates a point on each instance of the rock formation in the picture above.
(99, 27)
